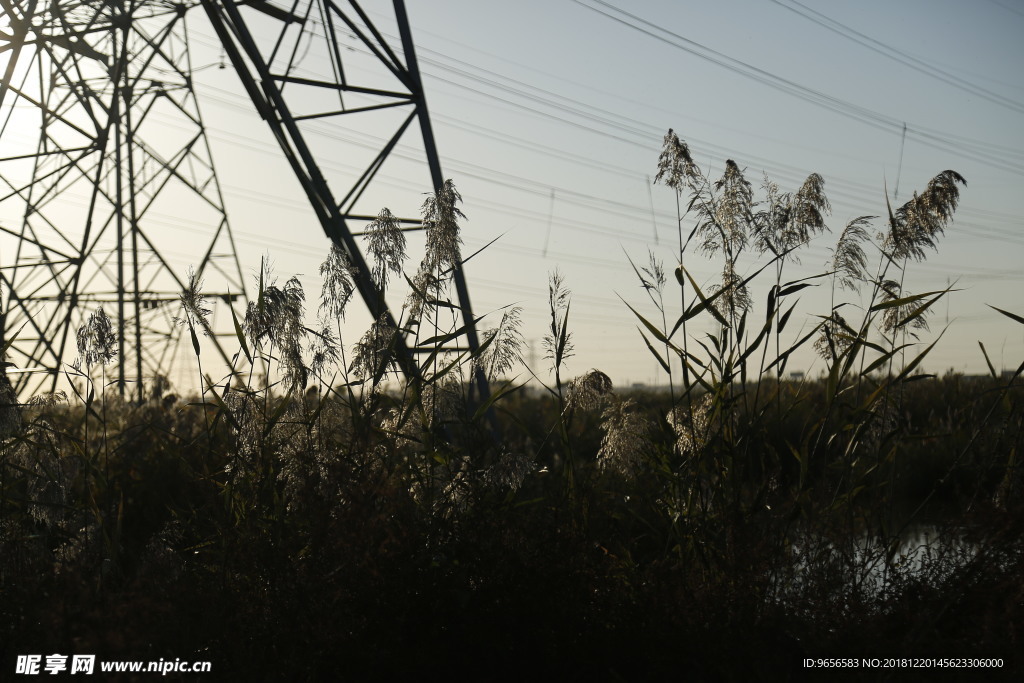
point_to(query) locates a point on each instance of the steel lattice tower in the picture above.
(371, 76)
(95, 74)
(102, 151)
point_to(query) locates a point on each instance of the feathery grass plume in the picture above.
(791, 219)
(397, 425)
(301, 475)
(441, 216)
(296, 374)
(48, 400)
(337, 289)
(652, 276)
(727, 219)
(458, 492)
(97, 342)
(193, 305)
(441, 401)
(325, 350)
(626, 441)
(675, 165)
(194, 314)
(385, 244)
(557, 341)
(891, 318)
(918, 223)
(770, 222)
(509, 470)
(808, 208)
(506, 348)
(247, 427)
(735, 297)
(848, 258)
(692, 430)
(425, 287)
(374, 353)
(276, 316)
(589, 391)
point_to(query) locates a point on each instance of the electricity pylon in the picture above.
(340, 97)
(371, 88)
(104, 162)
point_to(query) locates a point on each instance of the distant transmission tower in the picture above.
(104, 163)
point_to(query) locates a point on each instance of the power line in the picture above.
(848, 109)
(1008, 8)
(543, 189)
(573, 106)
(540, 189)
(898, 55)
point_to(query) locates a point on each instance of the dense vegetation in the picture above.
(334, 523)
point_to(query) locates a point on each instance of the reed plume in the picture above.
(97, 342)
(337, 287)
(726, 219)
(589, 391)
(557, 341)
(505, 345)
(627, 438)
(441, 216)
(374, 353)
(193, 305)
(849, 261)
(917, 224)
(385, 245)
(675, 165)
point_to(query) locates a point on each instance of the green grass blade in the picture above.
(505, 390)
(195, 339)
(239, 335)
(762, 335)
(699, 376)
(893, 303)
(988, 362)
(658, 334)
(741, 327)
(10, 340)
(787, 285)
(922, 309)
(661, 361)
(704, 305)
(785, 317)
(449, 336)
(1011, 316)
(917, 360)
(563, 335)
(795, 288)
(784, 356)
(884, 358)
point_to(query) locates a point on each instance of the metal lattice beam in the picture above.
(99, 82)
(101, 142)
(267, 44)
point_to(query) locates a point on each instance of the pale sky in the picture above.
(549, 118)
